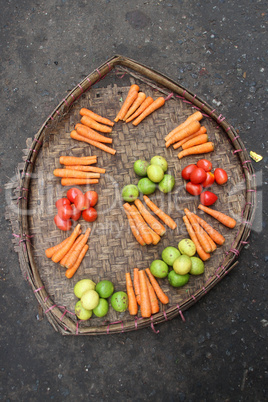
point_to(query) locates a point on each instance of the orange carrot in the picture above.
(140, 98)
(145, 305)
(152, 297)
(195, 116)
(200, 139)
(72, 181)
(178, 144)
(199, 149)
(85, 168)
(199, 231)
(131, 97)
(75, 174)
(136, 283)
(185, 132)
(150, 219)
(139, 222)
(91, 134)
(159, 292)
(147, 102)
(134, 229)
(213, 233)
(77, 250)
(161, 215)
(71, 271)
(219, 216)
(87, 121)
(200, 251)
(159, 102)
(65, 258)
(132, 302)
(51, 250)
(95, 116)
(96, 144)
(64, 250)
(76, 160)
(156, 238)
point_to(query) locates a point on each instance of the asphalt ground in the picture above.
(216, 49)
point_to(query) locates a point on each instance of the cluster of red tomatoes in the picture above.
(75, 204)
(199, 176)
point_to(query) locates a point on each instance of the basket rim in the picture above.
(56, 315)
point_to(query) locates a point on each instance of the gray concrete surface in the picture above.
(217, 49)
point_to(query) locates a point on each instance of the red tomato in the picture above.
(81, 202)
(65, 212)
(72, 193)
(221, 176)
(61, 224)
(90, 214)
(185, 173)
(92, 197)
(194, 189)
(208, 198)
(209, 180)
(198, 175)
(76, 213)
(62, 201)
(204, 164)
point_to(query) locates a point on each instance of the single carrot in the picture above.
(159, 102)
(85, 168)
(69, 273)
(95, 116)
(77, 250)
(200, 251)
(199, 231)
(161, 214)
(213, 233)
(73, 181)
(136, 284)
(219, 216)
(150, 219)
(200, 139)
(152, 297)
(195, 116)
(134, 229)
(178, 144)
(76, 160)
(147, 102)
(130, 98)
(156, 238)
(185, 132)
(199, 149)
(145, 305)
(64, 250)
(75, 174)
(132, 301)
(138, 101)
(91, 134)
(139, 222)
(87, 121)
(51, 250)
(65, 258)
(157, 288)
(96, 144)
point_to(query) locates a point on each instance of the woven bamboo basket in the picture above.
(112, 248)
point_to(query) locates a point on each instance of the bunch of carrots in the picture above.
(144, 291)
(190, 136)
(137, 106)
(204, 236)
(144, 226)
(89, 129)
(71, 251)
(78, 170)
